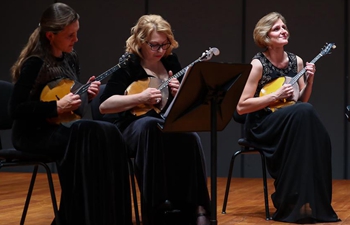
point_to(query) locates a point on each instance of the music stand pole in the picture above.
(213, 163)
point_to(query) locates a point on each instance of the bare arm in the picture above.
(306, 88)
(120, 103)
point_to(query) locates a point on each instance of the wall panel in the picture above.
(346, 86)
(18, 20)
(104, 28)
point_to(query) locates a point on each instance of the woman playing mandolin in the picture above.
(169, 166)
(91, 155)
(296, 144)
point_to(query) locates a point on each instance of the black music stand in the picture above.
(206, 101)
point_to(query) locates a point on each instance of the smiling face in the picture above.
(64, 40)
(155, 39)
(278, 34)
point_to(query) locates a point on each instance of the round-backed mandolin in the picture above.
(275, 84)
(57, 89)
(141, 85)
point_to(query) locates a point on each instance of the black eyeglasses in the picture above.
(157, 47)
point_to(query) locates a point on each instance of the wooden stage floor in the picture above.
(245, 205)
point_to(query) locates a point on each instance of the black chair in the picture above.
(96, 115)
(247, 148)
(10, 157)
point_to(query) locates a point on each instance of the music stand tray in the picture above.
(206, 101)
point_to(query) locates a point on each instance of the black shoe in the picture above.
(167, 205)
(167, 208)
(168, 215)
(202, 219)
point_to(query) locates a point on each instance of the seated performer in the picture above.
(169, 166)
(91, 155)
(297, 145)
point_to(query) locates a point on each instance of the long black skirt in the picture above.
(94, 176)
(298, 151)
(92, 167)
(169, 167)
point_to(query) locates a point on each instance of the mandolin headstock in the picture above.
(327, 49)
(123, 59)
(209, 53)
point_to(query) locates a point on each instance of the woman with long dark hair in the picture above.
(91, 155)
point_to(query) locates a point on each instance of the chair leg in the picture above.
(52, 192)
(133, 188)
(29, 194)
(228, 182)
(263, 163)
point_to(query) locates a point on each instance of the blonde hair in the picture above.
(54, 19)
(143, 30)
(263, 26)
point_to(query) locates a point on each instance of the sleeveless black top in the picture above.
(271, 72)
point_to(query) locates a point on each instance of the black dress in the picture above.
(168, 166)
(298, 151)
(91, 155)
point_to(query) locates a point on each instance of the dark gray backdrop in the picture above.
(197, 25)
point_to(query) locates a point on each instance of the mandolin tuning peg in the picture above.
(123, 57)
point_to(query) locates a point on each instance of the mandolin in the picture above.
(277, 83)
(57, 89)
(141, 85)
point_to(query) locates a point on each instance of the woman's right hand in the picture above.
(151, 96)
(68, 103)
(284, 92)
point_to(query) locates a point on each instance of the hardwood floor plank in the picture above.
(245, 203)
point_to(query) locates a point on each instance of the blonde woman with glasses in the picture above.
(169, 166)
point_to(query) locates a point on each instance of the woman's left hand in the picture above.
(94, 87)
(174, 84)
(310, 72)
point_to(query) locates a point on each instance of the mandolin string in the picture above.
(181, 72)
(177, 75)
(296, 78)
(325, 51)
(85, 87)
